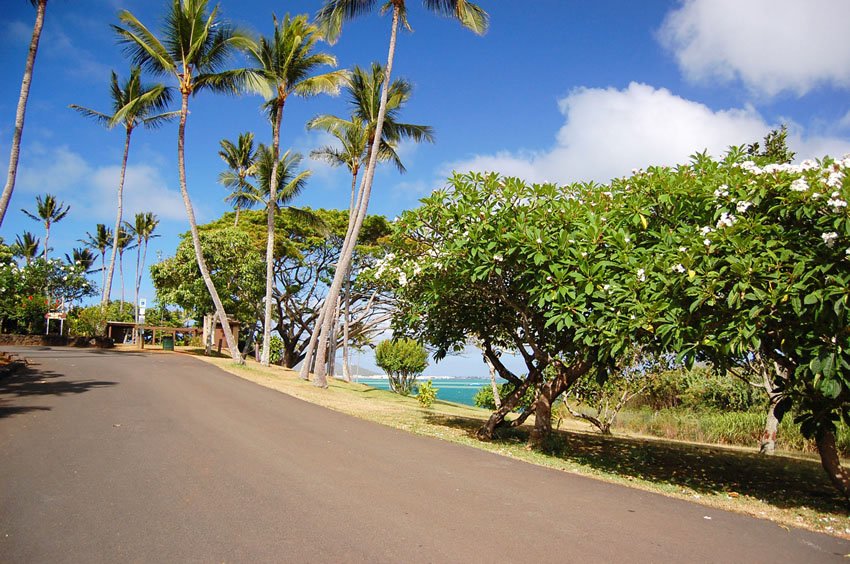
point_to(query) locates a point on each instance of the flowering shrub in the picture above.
(28, 292)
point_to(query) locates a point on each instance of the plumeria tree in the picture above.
(756, 259)
(29, 291)
(553, 274)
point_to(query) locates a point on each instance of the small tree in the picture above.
(403, 360)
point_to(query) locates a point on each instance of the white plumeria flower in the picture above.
(829, 238)
(705, 230)
(627, 239)
(743, 205)
(583, 254)
(607, 287)
(722, 191)
(706, 242)
(539, 241)
(498, 258)
(683, 249)
(402, 279)
(836, 203)
(678, 268)
(726, 220)
(799, 185)
(641, 275)
(834, 179)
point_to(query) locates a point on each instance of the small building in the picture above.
(213, 333)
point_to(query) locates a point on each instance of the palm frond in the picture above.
(142, 46)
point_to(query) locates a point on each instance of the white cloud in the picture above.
(91, 190)
(770, 45)
(144, 190)
(17, 32)
(608, 132)
(56, 171)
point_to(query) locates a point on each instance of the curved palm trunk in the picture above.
(102, 270)
(196, 238)
(344, 263)
(107, 285)
(267, 315)
(346, 367)
(22, 107)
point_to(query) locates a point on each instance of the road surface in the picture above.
(124, 457)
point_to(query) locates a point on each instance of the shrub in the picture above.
(699, 388)
(403, 360)
(87, 321)
(427, 394)
(484, 397)
(275, 350)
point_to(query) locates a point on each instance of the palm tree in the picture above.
(289, 183)
(284, 65)
(125, 243)
(143, 228)
(356, 137)
(331, 17)
(240, 159)
(196, 46)
(40, 7)
(25, 246)
(48, 210)
(101, 241)
(81, 256)
(133, 104)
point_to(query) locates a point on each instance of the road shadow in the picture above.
(9, 410)
(781, 481)
(30, 381)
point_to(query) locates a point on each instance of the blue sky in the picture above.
(556, 91)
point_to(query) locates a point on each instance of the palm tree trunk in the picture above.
(22, 107)
(137, 280)
(46, 239)
(102, 270)
(121, 275)
(196, 238)
(107, 286)
(236, 219)
(348, 248)
(267, 316)
(309, 357)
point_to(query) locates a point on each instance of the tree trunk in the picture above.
(344, 263)
(272, 208)
(136, 284)
(14, 154)
(196, 239)
(346, 367)
(46, 239)
(497, 418)
(121, 276)
(236, 219)
(309, 357)
(542, 418)
(496, 398)
(771, 425)
(107, 287)
(838, 475)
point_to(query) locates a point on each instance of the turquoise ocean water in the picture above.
(458, 390)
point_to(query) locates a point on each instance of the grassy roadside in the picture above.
(787, 489)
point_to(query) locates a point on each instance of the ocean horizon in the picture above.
(449, 388)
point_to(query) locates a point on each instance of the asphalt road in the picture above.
(121, 457)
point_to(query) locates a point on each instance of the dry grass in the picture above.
(789, 490)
